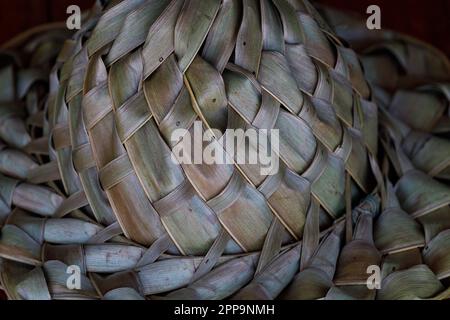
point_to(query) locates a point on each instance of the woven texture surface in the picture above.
(97, 188)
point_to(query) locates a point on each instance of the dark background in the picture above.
(426, 20)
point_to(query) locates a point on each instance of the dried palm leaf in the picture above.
(97, 186)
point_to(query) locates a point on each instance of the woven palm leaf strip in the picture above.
(411, 82)
(26, 62)
(140, 226)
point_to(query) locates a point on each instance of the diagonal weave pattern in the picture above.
(140, 225)
(119, 99)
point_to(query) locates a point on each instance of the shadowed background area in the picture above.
(426, 20)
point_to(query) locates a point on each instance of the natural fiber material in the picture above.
(96, 185)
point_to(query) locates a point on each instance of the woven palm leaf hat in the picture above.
(97, 186)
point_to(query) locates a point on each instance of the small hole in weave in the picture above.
(245, 43)
(214, 100)
(161, 59)
(177, 124)
(206, 261)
